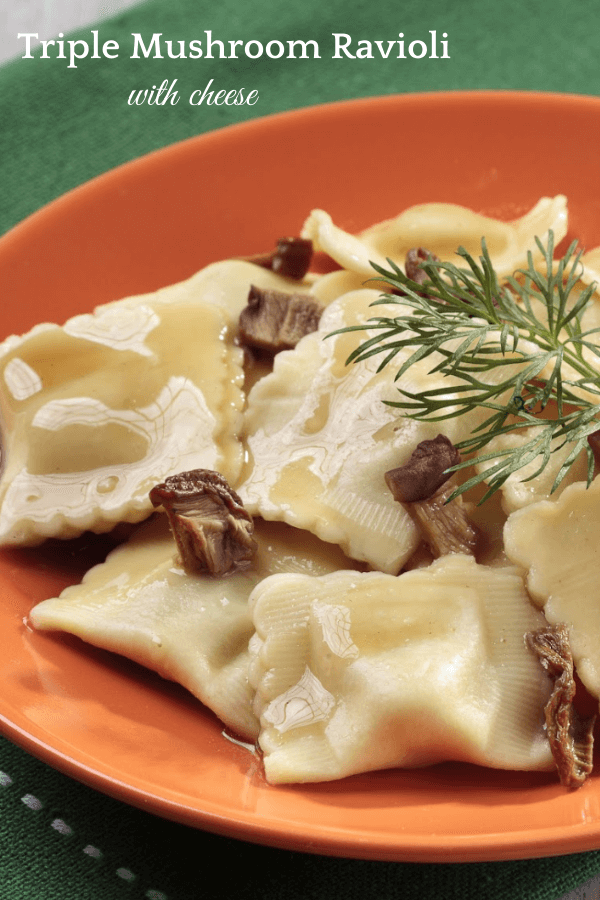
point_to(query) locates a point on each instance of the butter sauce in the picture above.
(95, 412)
(190, 628)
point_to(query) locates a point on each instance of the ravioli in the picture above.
(191, 629)
(440, 228)
(224, 284)
(321, 437)
(591, 266)
(338, 670)
(97, 411)
(362, 671)
(524, 486)
(557, 545)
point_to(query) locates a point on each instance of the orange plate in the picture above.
(121, 729)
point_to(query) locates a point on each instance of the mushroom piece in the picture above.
(425, 472)
(413, 267)
(445, 526)
(274, 320)
(421, 484)
(211, 527)
(570, 734)
(291, 257)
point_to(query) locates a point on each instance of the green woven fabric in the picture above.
(60, 126)
(109, 851)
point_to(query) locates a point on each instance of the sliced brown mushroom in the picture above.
(445, 526)
(291, 257)
(570, 734)
(413, 264)
(274, 320)
(422, 484)
(211, 527)
(425, 472)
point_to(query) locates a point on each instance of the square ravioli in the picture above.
(556, 543)
(321, 437)
(191, 628)
(95, 412)
(361, 671)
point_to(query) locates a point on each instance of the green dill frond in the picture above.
(516, 347)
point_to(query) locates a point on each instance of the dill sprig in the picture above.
(516, 348)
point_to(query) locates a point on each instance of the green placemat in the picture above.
(61, 125)
(60, 839)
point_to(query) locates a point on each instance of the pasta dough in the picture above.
(321, 438)
(356, 672)
(523, 486)
(348, 671)
(557, 544)
(192, 629)
(224, 284)
(97, 411)
(441, 228)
